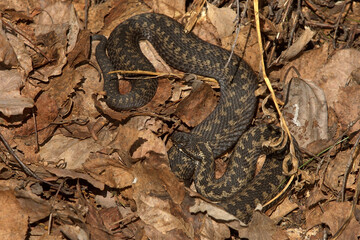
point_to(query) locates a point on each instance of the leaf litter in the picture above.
(114, 164)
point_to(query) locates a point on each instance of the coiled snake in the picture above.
(192, 155)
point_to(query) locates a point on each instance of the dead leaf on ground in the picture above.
(52, 28)
(298, 46)
(7, 53)
(73, 232)
(335, 173)
(212, 230)
(269, 230)
(110, 172)
(13, 220)
(174, 9)
(332, 75)
(223, 19)
(199, 103)
(138, 143)
(246, 45)
(65, 173)
(315, 196)
(21, 52)
(73, 152)
(46, 113)
(283, 209)
(155, 205)
(334, 214)
(11, 102)
(306, 111)
(35, 207)
(212, 210)
(347, 105)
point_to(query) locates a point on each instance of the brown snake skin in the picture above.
(193, 154)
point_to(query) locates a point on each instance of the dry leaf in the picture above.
(334, 214)
(13, 221)
(154, 205)
(297, 46)
(197, 106)
(138, 143)
(173, 9)
(213, 230)
(74, 232)
(212, 210)
(22, 53)
(73, 151)
(223, 19)
(306, 112)
(110, 172)
(283, 209)
(35, 207)
(331, 75)
(64, 173)
(246, 46)
(7, 53)
(262, 227)
(11, 102)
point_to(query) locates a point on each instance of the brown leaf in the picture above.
(13, 220)
(22, 54)
(262, 227)
(283, 209)
(7, 54)
(172, 9)
(334, 215)
(212, 210)
(223, 19)
(348, 106)
(73, 232)
(34, 207)
(80, 53)
(213, 230)
(315, 196)
(154, 205)
(306, 112)
(331, 75)
(46, 112)
(73, 152)
(138, 143)
(246, 45)
(298, 46)
(197, 106)
(335, 172)
(60, 88)
(110, 172)
(11, 102)
(65, 173)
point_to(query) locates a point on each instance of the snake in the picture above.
(228, 127)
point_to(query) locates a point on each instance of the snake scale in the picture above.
(228, 126)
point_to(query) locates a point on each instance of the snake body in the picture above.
(192, 155)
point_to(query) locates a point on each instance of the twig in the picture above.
(338, 22)
(337, 140)
(348, 167)
(86, 10)
(26, 169)
(354, 203)
(36, 132)
(24, 36)
(237, 29)
(283, 124)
